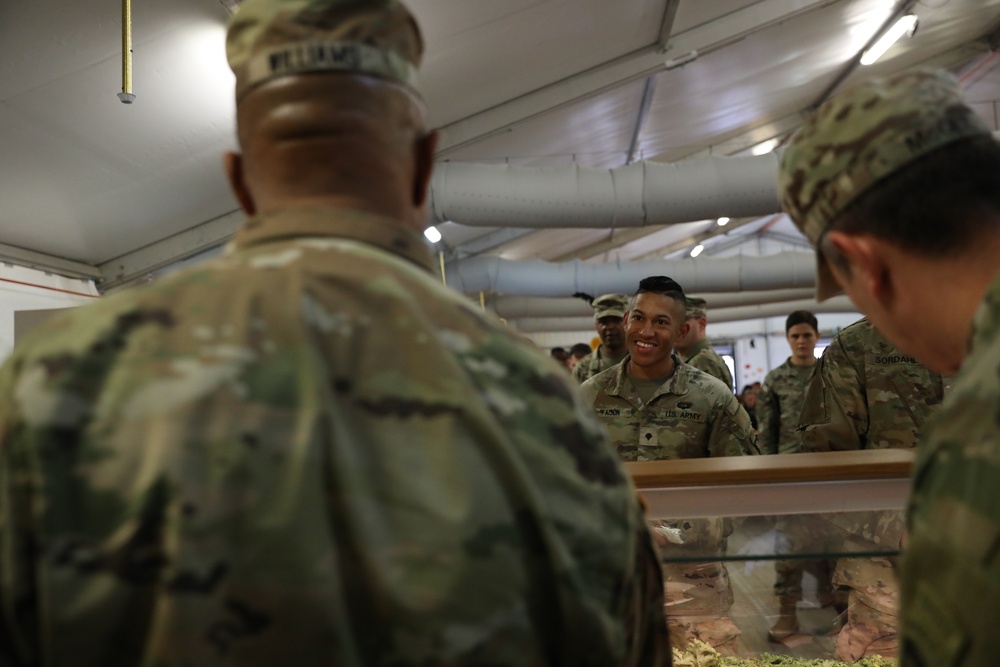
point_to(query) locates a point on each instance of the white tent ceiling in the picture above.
(96, 188)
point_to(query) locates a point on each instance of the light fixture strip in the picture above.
(904, 25)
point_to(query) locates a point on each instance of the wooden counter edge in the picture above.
(783, 468)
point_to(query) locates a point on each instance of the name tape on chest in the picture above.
(894, 359)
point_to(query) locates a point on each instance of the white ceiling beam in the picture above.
(201, 238)
(681, 48)
(48, 263)
(488, 242)
(616, 239)
(691, 241)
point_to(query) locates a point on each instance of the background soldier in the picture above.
(866, 394)
(608, 313)
(897, 184)
(308, 451)
(780, 399)
(778, 407)
(657, 407)
(695, 348)
(577, 353)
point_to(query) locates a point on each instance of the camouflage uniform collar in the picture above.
(696, 348)
(601, 354)
(986, 325)
(382, 232)
(675, 384)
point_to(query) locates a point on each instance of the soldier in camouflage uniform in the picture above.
(608, 313)
(695, 348)
(780, 399)
(897, 184)
(866, 394)
(778, 407)
(657, 407)
(309, 452)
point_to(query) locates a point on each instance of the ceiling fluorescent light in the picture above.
(764, 147)
(695, 251)
(723, 221)
(432, 234)
(907, 25)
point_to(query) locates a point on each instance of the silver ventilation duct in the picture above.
(731, 274)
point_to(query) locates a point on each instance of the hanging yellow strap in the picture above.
(444, 279)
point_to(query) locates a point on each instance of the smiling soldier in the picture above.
(657, 407)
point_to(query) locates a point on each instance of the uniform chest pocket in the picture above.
(675, 433)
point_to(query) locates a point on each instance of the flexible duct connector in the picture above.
(644, 193)
(787, 270)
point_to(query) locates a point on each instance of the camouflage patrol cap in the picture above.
(268, 39)
(610, 305)
(861, 137)
(696, 307)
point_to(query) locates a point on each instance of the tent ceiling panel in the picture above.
(481, 54)
(89, 179)
(603, 125)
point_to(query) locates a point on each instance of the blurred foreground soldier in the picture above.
(608, 313)
(657, 407)
(897, 183)
(866, 394)
(778, 408)
(695, 348)
(308, 452)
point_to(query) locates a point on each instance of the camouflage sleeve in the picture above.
(731, 433)
(580, 370)
(645, 626)
(589, 390)
(17, 592)
(834, 413)
(768, 419)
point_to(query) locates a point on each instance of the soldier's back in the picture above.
(867, 394)
(706, 359)
(309, 452)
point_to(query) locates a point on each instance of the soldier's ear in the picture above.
(862, 264)
(684, 329)
(233, 163)
(426, 146)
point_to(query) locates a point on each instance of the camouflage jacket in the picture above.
(592, 364)
(866, 394)
(309, 452)
(778, 407)
(692, 415)
(703, 357)
(950, 573)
